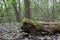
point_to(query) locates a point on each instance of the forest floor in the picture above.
(10, 32)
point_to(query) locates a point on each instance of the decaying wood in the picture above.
(38, 27)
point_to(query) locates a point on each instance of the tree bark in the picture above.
(17, 13)
(19, 7)
(38, 26)
(53, 13)
(27, 8)
(7, 11)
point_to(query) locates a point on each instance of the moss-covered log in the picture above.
(38, 27)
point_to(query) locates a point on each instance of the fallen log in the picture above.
(40, 27)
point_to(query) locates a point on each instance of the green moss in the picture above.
(37, 24)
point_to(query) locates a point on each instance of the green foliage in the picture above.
(39, 9)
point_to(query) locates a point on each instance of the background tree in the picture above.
(17, 13)
(16, 10)
(27, 8)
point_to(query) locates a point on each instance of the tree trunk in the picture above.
(17, 13)
(53, 13)
(27, 9)
(19, 7)
(36, 26)
(7, 11)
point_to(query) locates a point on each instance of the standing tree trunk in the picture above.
(48, 18)
(53, 13)
(27, 8)
(19, 6)
(7, 11)
(17, 13)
